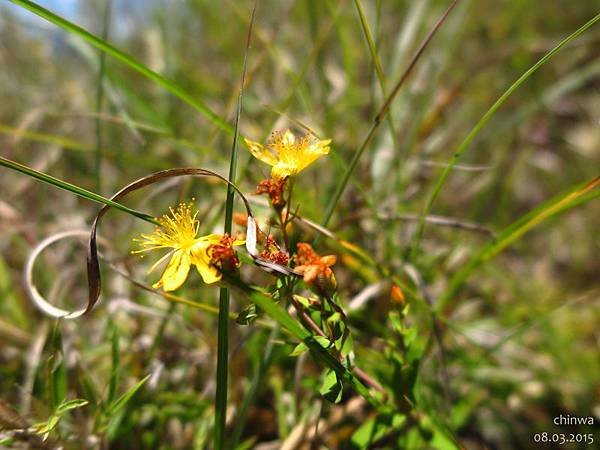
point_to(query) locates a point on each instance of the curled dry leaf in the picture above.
(93, 266)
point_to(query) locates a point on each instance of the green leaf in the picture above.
(247, 315)
(334, 318)
(299, 349)
(45, 428)
(70, 404)
(346, 346)
(375, 429)
(323, 341)
(332, 387)
(302, 300)
(122, 401)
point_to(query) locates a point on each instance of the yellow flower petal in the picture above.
(260, 152)
(205, 241)
(160, 261)
(176, 272)
(283, 170)
(323, 146)
(200, 259)
(208, 273)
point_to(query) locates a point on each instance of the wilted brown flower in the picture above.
(240, 219)
(316, 270)
(274, 189)
(223, 256)
(272, 252)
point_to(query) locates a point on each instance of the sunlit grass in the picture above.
(450, 300)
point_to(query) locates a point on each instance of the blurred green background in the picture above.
(521, 339)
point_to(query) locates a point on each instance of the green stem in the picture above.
(253, 390)
(222, 374)
(223, 319)
(100, 97)
(376, 65)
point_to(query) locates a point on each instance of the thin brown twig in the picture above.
(412, 217)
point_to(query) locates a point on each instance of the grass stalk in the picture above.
(223, 318)
(483, 121)
(79, 191)
(517, 229)
(100, 96)
(376, 64)
(378, 118)
(253, 390)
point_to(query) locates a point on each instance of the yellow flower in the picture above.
(178, 232)
(287, 154)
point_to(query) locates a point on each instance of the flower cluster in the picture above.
(178, 232)
(214, 254)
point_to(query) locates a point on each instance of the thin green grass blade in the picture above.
(257, 379)
(68, 143)
(115, 366)
(56, 370)
(115, 93)
(552, 207)
(371, 44)
(561, 88)
(223, 318)
(483, 121)
(337, 195)
(101, 44)
(62, 141)
(81, 192)
(72, 144)
(376, 63)
(100, 96)
(121, 402)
